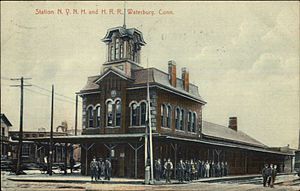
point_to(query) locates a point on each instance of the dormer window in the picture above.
(117, 49)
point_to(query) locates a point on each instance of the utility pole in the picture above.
(19, 162)
(76, 114)
(51, 135)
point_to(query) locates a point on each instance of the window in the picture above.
(162, 113)
(189, 121)
(98, 114)
(143, 107)
(168, 115)
(117, 48)
(109, 114)
(177, 118)
(90, 117)
(121, 51)
(118, 113)
(112, 52)
(3, 131)
(134, 114)
(194, 122)
(182, 120)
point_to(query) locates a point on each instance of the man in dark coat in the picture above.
(188, 170)
(274, 174)
(157, 169)
(181, 170)
(269, 173)
(99, 163)
(226, 169)
(264, 174)
(94, 169)
(108, 169)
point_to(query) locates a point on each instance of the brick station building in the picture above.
(114, 117)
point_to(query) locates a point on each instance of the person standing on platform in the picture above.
(99, 163)
(94, 169)
(72, 163)
(274, 174)
(108, 169)
(158, 169)
(264, 174)
(222, 169)
(181, 170)
(188, 170)
(207, 169)
(163, 171)
(269, 173)
(168, 167)
(226, 169)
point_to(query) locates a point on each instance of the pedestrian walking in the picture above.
(94, 169)
(168, 167)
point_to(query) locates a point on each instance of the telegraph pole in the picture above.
(51, 135)
(76, 114)
(19, 162)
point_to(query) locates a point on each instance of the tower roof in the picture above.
(124, 32)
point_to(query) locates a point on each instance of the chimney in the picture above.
(172, 72)
(185, 78)
(233, 123)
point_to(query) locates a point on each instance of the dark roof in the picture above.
(156, 77)
(5, 120)
(124, 32)
(215, 131)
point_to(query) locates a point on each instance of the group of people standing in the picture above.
(100, 168)
(189, 170)
(269, 173)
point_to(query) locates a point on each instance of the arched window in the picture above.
(117, 48)
(190, 121)
(143, 107)
(163, 114)
(98, 114)
(109, 114)
(112, 52)
(182, 119)
(90, 117)
(168, 115)
(194, 122)
(121, 51)
(134, 114)
(177, 118)
(118, 113)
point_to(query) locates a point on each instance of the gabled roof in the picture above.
(5, 120)
(124, 32)
(92, 83)
(215, 131)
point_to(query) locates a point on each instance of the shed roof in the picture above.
(215, 131)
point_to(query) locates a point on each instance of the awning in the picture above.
(105, 138)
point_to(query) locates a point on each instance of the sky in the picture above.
(243, 56)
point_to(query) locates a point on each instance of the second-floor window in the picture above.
(169, 115)
(182, 120)
(118, 113)
(190, 121)
(90, 117)
(177, 118)
(138, 113)
(98, 115)
(109, 113)
(163, 115)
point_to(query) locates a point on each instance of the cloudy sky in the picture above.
(244, 56)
